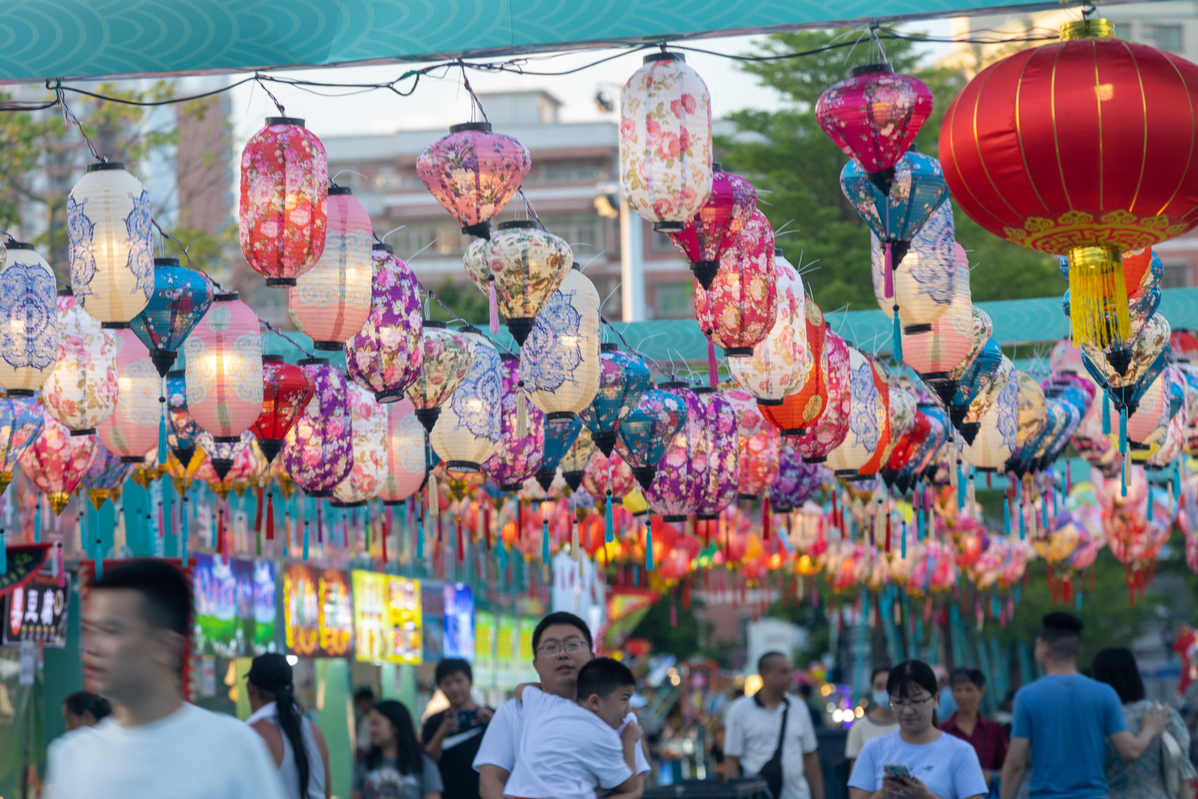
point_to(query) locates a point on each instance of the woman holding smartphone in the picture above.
(917, 761)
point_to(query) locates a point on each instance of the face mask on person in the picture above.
(881, 698)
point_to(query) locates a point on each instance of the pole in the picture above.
(632, 263)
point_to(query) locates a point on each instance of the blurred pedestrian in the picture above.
(363, 702)
(396, 766)
(84, 709)
(988, 738)
(296, 744)
(452, 737)
(948, 705)
(879, 720)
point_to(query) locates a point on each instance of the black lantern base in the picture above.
(675, 519)
(480, 231)
(163, 360)
(226, 439)
(821, 459)
(669, 227)
(428, 417)
(270, 447)
(338, 504)
(280, 282)
(390, 395)
(969, 431)
(738, 352)
(911, 330)
(520, 328)
(644, 475)
(793, 432)
(560, 417)
(606, 442)
(328, 346)
(87, 431)
(1119, 359)
(222, 466)
(513, 487)
(19, 392)
(184, 455)
(770, 403)
(462, 467)
(141, 459)
(705, 272)
(573, 479)
(545, 478)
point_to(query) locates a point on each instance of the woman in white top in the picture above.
(296, 744)
(877, 722)
(934, 765)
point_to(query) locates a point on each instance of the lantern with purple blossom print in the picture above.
(81, 392)
(319, 452)
(559, 362)
(723, 454)
(649, 430)
(468, 431)
(797, 481)
(181, 298)
(385, 355)
(447, 357)
(728, 209)
(623, 378)
(739, 306)
(28, 323)
(521, 433)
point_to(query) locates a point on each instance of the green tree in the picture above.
(466, 302)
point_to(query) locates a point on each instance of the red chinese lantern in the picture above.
(1081, 148)
(729, 208)
(286, 390)
(737, 307)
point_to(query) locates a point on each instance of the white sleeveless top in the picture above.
(288, 770)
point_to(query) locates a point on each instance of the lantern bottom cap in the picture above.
(819, 459)
(606, 442)
(738, 352)
(666, 226)
(926, 376)
(987, 469)
(114, 325)
(561, 416)
(87, 431)
(388, 395)
(644, 475)
(520, 328)
(133, 459)
(271, 447)
(969, 431)
(770, 403)
(320, 494)
(746, 497)
(327, 346)
(705, 272)
(336, 503)
(674, 518)
(845, 473)
(573, 479)
(20, 392)
(793, 432)
(511, 486)
(226, 439)
(163, 361)
(706, 517)
(391, 503)
(467, 467)
(482, 230)
(428, 417)
(280, 282)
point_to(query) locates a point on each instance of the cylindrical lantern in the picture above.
(20, 425)
(56, 461)
(467, 431)
(521, 441)
(648, 430)
(473, 172)
(446, 360)
(385, 355)
(830, 428)
(801, 409)
(759, 462)
(132, 429)
(665, 141)
(319, 452)
(29, 335)
(112, 247)
(81, 391)
(869, 420)
(331, 301)
(181, 298)
(365, 479)
(778, 363)
(407, 462)
(739, 306)
(559, 361)
(284, 200)
(723, 454)
(286, 391)
(623, 378)
(705, 235)
(681, 479)
(224, 368)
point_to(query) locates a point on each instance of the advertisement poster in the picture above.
(459, 621)
(484, 650)
(432, 608)
(317, 611)
(37, 611)
(506, 641)
(524, 670)
(387, 623)
(235, 606)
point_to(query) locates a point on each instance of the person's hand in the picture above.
(907, 788)
(485, 714)
(449, 725)
(1155, 718)
(631, 733)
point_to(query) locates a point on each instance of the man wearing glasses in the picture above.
(561, 646)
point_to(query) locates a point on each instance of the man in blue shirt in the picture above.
(1063, 720)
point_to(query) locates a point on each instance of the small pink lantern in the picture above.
(132, 429)
(739, 307)
(406, 455)
(385, 355)
(56, 461)
(603, 474)
(759, 462)
(704, 238)
(224, 369)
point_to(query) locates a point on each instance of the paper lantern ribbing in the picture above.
(319, 452)
(648, 430)
(446, 360)
(132, 429)
(181, 298)
(473, 172)
(29, 335)
(406, 458)
(20, 425)
(779, 362)
(623, 378)
(681, 479)
(559, 438)
(365, 478)
(869, 420)
(739, 305)
(559, 361)
(56, 461)
(518, 456)
(801, 409)
(286, 391)
(665, 142)
(284, 200)
(385, 355)
(224, 368)
(467, 431)
(524, 265)
(81, 391)
(181, 429)
(111, 236)
(603, 474)
(331, 301)
(831, 427)
(723, 454)
(105, 476)
(759, 462)
(703, 239)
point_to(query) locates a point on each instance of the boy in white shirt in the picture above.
(572, 749)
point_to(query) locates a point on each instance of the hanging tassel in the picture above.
(492, 304)
(486, 514)
(1106, 414)
(1098, 296)
(461, 542)
(305, 540)
(1044, 512)
(161, 522)
(1006, 513)
(888, 276)
(609, 534)
(58, 568)
(1123, 430)
(3, 553)
(183, 534)
(386, 533)
(162, 451)
(649, 544)
(258, 511)
(99, 557)
(521, 411)
(1148, 515)
(711, 365)
(420, 537)
(887, 532)
(545, 541)
(37, 520)
(765, 517)
(270, 514)
(1022, 524)
(898, 335)
(434, 498)
(575, 549)
(960, 487)
(903, 542)
(1123, 475)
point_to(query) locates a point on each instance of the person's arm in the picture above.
(731, 766)
(491, 780)
(448, 726)
(322, 746)
(814, 775)
(633, 787)
(1129, 746)
(861, 793)
(1014, 766)
(274, 740)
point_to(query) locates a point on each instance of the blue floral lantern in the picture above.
(648, 430)
(20, 424)
(977, 379)
(623, 379)
(181, 429)
(559, 438)
(28, 321)
(181, 298)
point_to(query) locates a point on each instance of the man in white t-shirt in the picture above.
(561, 646)
(754, 727)
(135, 627)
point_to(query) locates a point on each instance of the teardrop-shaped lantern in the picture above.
(527, 265)
(991, 387)
(623, 378)
(739, 305)
(224, 368)
(723, 454)
(681, 479)
(648, 430)
(181, 429)
(759, 462)
(446, 360)
(559, 438)
(284, 200)
(20, 425)
(577, 458)
(29, 334)
(705, 236)
(286, 391)
(385, 355)
(473, 172)
(331, 301)
(319, 452)
(132, 429)
(974, 384)
(665, 142)
(105, 476)
(111, 235)
(222, 457)
(801, 409)
(559, 361)
(365, 479)
(406, 458)
(468, 429)
(869, 420)
(56, 461)
(603, 474)
(81, 391)
(180, 299)
(777, 365)
(906, 447)
(518, 456)
(831, 427)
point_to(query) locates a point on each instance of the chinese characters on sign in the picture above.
(37, 611)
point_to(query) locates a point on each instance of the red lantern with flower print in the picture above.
(286, 390)
(738, 307)
(704, 238)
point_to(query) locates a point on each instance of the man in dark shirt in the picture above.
(988, 738)
(452, 737)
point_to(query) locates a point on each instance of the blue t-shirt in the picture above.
(1067, 719)
(947, 765)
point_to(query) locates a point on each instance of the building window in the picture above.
(1176, 276)
(577, 171)
(662, 243)
(1168, 37)
(674, 300)
(1123, 31)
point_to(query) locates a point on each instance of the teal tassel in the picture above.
(1017, 586)
(649, 546)
(919, 629)
(545, 541)
(898, 337)
(3, 554)
(610, 536)
(99, 562)
(1123, 477)
(162, 437)
(1044, 512)
(1177, 480)
(1123, 430)
(1006, 515)
(420, 538)
(1106, 415)
(305, 542)
(1150, 504)
(501, 553)
(960, 487)
(1022, 525)
(904, 541)
(1078, 602)
(37, 521)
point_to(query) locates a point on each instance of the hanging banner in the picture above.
(317, 611)
(484, 650)
(23, 562)
(37, 611)
(459, 621)
(387, 622)
(234, 606)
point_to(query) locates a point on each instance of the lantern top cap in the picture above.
(778, 252)
(674, 384)
(335, 190)
(105, 165)
(166, 262)
(177, 373)
(716, 166)
(65, 291)
(434, 323)
(608, 346)
(704, 389)
(299, 123)
(1096, 28)
(872, 69)
(20, 245)
(664, 57)
(577, 267)
(271, 358)
(485, 127)
(518, 224)
(468, 328)
(383, 246)
(313, 362)
(507, 356)
(226, 296)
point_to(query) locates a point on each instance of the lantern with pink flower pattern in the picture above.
(705, 236)
(406, 458)
(603, 474)
(445, 361)
(132, 429)
(365, 478)
(81, 392)
(319, 452)
(778, 364)
(759, 462)
(681, 479)
(56, 461)
(648, 431)
(521, 440)
(738, 307)
(385, 355)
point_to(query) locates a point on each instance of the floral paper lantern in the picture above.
(559, 361)
(521, 441)
(797, 481)
(665, 142)
(105, 476)
(577, 458)
(524, 266)
(749, 419)
(385, 355)
(181, 429)
(468, 430)
(869, 420)
(473, 172)
(406, 457)
(331, 301)
(831, 427)
(603, 474)
(446, 360)
(974, 383)
(224, 368)
(704, 237)
(222, 456)
(284, 200)
(723, 454)
(759, 462)
(365, 479)
(649, 430)
(20, 425)
(559, 438)
(132, 429)
(991, 385)
(56, 461)
(319, 452)
(623, 378)
(111, 237)
(924, 281)
(29, 335)
(681, 478)
(936, 353)
(286, 391)
(739, 305)
(997, 432)
(81, 391)
(779, 362)
(181, 298)
(801, 409)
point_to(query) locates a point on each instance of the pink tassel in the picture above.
(493, 304)
(62, 575)
(888, 277)
(161, 522)
(711, 368)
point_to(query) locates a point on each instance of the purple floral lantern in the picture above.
(681, 478)
(723, 454)
(385, 356)
(648, 430)
(319, 452)
(521, 441)
(797, 481)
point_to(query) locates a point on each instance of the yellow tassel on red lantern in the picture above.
(1098, 296)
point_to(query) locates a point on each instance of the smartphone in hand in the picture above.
(898, 771)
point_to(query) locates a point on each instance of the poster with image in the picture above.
(387, 622)
(234, 606)
(317, 611)
(459, 621)
(524, 654)
(506, 642)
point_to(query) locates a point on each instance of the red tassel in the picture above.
(834, 514)
(765, 517)
(486, 512)
(461, 544)
(686, 595)
(887, 532)
(270, 517)
(258, 514)
(711, 366)
(220, 531)
(386, 532)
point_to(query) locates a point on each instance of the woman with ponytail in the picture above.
(297, 745)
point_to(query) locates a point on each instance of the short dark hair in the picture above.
(873, 675)
(1062, 632)
(602, 676)
(912, 674)
(365, 692)
(761, 661)
(974, 676)
(453, 666)
(164, 590)
(560, 617)
(82, 702)
(1117, 667)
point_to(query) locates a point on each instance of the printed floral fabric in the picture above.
(749, 419)
(665, 141)
(20, 424)
(405, 453)
(732, 202)
(649, 429)
(999, 425)
(132, 429)
(681, 479)
(180, 299)
(106, 472)
(603, 474)
(580, 453)
(447, 359)
(224, 369)
(780, 361)
(370, 447)
(723, 454)
(759, 461)
(528, 264)
(385, 354)
(1143, 778)
(867, 444)
(832, 426)
(284, 200)
(81, 391)
(559, 361)
(469, 427)
(925, 280)
(801, 409)
(286, 391)
(473, 173)
(56, 461)
(741, 306)
(797, 481)
(29, 333)
(517, 458)
(332, 300)
(319, 452)
(181, 429)
(989, 386)
(917, 191)
(873, 118)
(559, 438)
(623, 378)
(1145, 350)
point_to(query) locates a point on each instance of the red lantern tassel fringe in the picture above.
(765, 517)
(258, 514)
(270, 515)
(711, 365)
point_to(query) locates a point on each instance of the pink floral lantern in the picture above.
(737, 308)
(56, 461)
(365, 479)
(473, 172)
(749, 419)
(319, 452)
(385, 355)
(521, 436)
(759, 462)
(603, 474)
(224, 368)
(446, 360)
(681, 478)
(81, 392)
(132, 429)
(777, 365)
(703, 239)
(723, 454)
(406, 456)
(284, 200)
(830, 429)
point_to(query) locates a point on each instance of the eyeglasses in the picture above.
(572, 647)
(909, 704)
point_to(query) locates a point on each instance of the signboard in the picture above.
(484, 650)
(234, 606)
(317, 611)
(506, 642)
(459, 621)
(37, 611)
(432, 608)
(387, 624)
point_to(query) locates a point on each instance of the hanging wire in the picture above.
(69, 117)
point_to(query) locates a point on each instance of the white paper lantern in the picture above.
(467, 431)
(869, 420)
(365, 479)
(29, 333)
(997, 431)
(926, 278)
(559, 362)
(780, 363)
